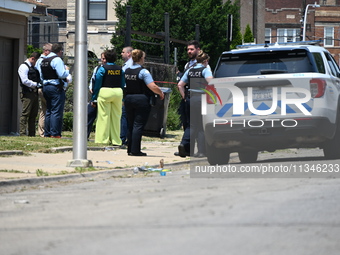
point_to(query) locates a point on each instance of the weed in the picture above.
(12, 171)
(40, 172)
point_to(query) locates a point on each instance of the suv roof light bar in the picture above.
(313, 42)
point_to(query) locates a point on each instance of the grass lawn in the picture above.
(43, 145)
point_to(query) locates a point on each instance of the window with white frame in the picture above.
(268, 35)
(288, 35)
(329, 36)
(97, 9)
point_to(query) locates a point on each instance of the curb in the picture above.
(59, 149)
(10, 153)
(66, 177)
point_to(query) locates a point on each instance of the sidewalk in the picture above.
(14, 167)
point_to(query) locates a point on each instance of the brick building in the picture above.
(327, 26)
(252, 14)
(284, 22)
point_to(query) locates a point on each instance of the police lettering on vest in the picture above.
(131, 77)
(113, 72)
(194, 74)
(195, 78)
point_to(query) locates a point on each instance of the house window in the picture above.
(61, 14)
(288, 35)
(329, 36)
(268, 35)
(97, 9)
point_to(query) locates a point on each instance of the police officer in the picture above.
(128, 62)
(140, 87)
(193, 47)
(29, 81)
(47, 48)
(53, 75)
(92, 108)
(194, 79)
(108, 96)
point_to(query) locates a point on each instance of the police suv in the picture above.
(269, 97)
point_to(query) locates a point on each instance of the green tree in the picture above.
(148, 16)
(237, 40)
(248, 35)
(31, 49)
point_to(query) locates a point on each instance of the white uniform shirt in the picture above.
(23, 74)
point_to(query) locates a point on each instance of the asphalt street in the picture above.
(173, 214)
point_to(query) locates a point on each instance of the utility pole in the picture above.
(229, 31)
(167, 39)
(128, 26)
(305, 19)
(197, 32)
(80, 91)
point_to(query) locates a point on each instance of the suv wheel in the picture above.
(217, 156)
(331, 150)
(247, 156)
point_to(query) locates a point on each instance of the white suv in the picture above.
(265, 98)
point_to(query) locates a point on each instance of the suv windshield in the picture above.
(268, 62)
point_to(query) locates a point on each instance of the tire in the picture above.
(217, 156)
(331, 150)
(247, 156)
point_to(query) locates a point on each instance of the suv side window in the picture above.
(333, 66)
(319, 62)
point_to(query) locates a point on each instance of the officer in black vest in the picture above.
(107, 97)
(54, 75)
(29, 81)
(196, 79)
(193, 47)
(139, 88)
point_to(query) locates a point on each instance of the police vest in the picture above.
(112, 77)
(33, 75)
(134, 85)
(195, 78)
(47, 71)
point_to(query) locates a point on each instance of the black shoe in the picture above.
(123, 147)
(182, 152)
(137, 154)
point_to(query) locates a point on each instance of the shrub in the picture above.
(248, 35)
(68, 121)
(173, 120)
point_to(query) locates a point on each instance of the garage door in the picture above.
(6, 84)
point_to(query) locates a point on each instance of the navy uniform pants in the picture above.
(194, 132)
(137, 108)
(55, 102)
(91, 117)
